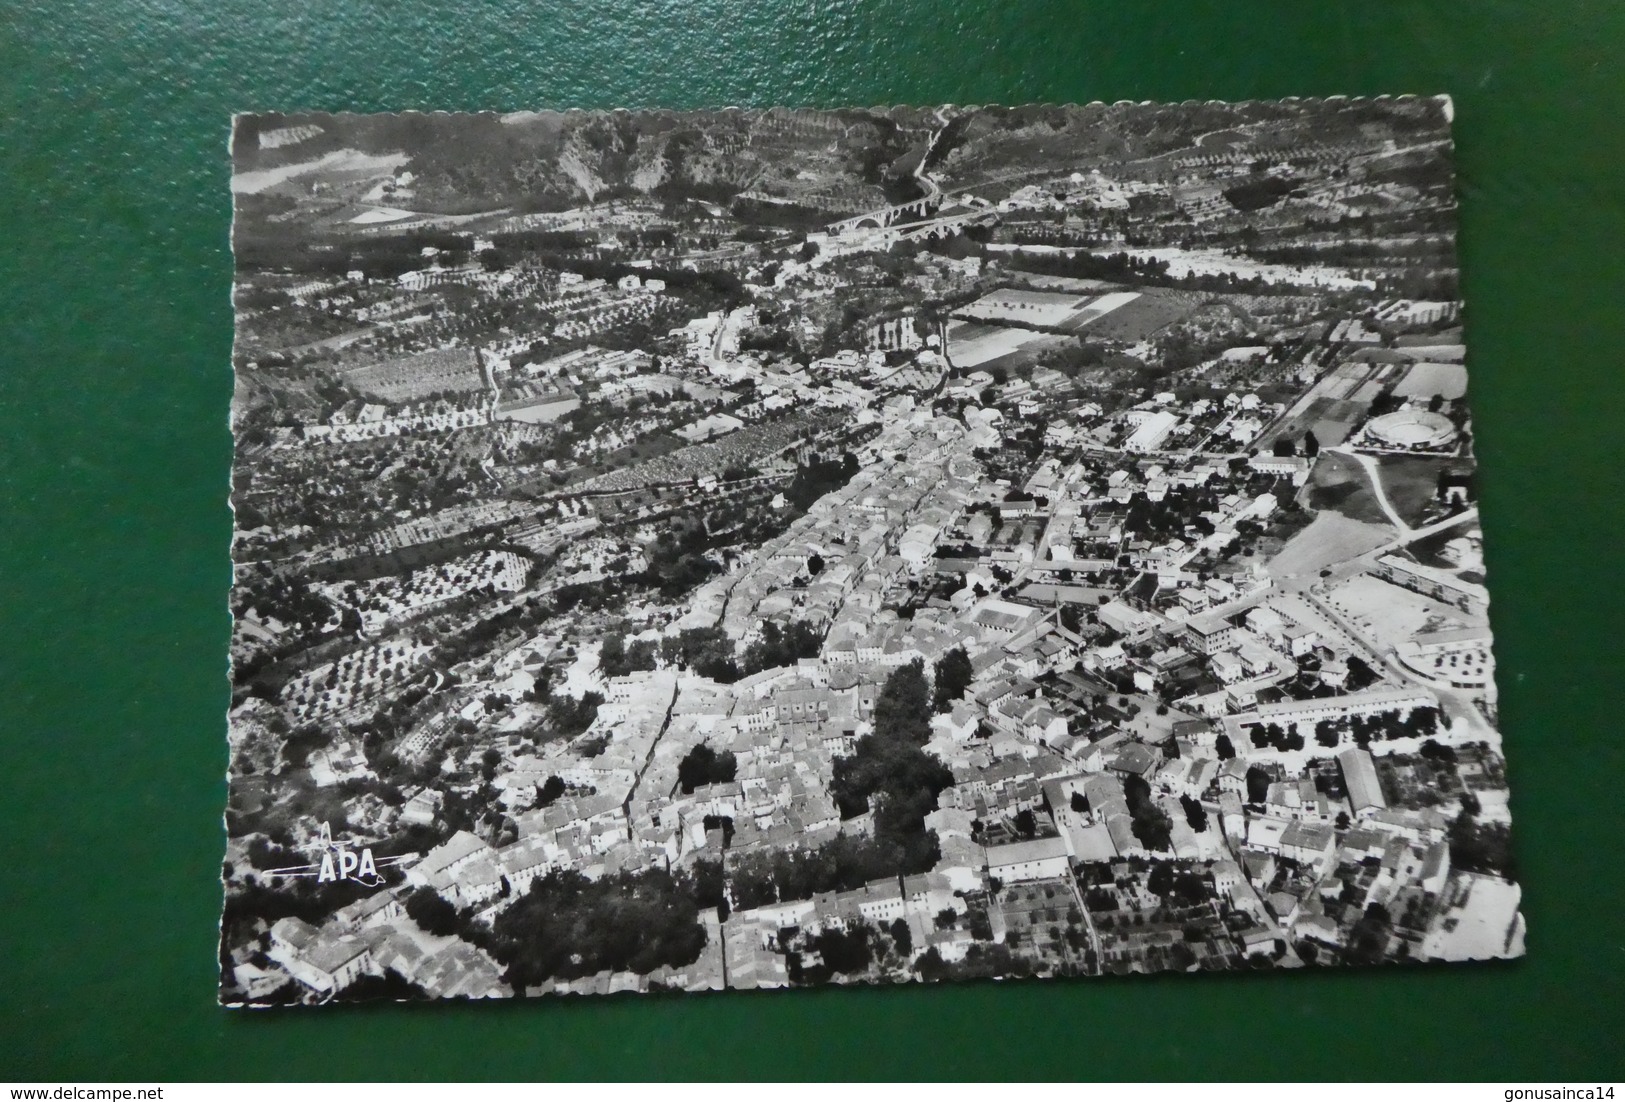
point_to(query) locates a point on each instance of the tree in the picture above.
(1480, 847)
(548, 792)
(432, 913)
(952, 675)
(1311, 444)
(1149, 824)
(1368, 940)
(1080, 803)
(1224, 748)
(567, 926)
(891, 775)
(1161, 880)
(1436, 752)
(1258, 784)
(707, 651)
(703, 765)
(904, 939)
(568, 716)
(901, 710)
(391, 985)
(782, 646)
(846, 951)
(815, 565)
(932, 967)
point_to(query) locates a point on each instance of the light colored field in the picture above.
(1188, 262)
(1033, 307)
(1416, 312)
(1102, 306)
(541, 413)
(1427, 379)
(380, 214)
(1330, 538)
(974, 345)
(1448, 353)
(338, 161)
(1387, 613)
(1047, 308)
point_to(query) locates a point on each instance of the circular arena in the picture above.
(1412, 429)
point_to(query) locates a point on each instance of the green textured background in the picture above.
(115, 330)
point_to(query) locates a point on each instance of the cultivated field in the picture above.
(1047, 308)
(1331, 420)
(1152, 309)
(411, 378)
(974, 344)
(741, 448)
(1100, 307)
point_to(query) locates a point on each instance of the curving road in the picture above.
(1373, 474)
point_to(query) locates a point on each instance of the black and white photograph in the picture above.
(687, 551)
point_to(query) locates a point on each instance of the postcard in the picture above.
(770, 548)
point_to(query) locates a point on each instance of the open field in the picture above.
(1333, 405)
(1100, 307)
(1202, 262)
(1444, 353)
(1411, 483)
(1330, 538)
(1331, 420)
(1068, 283)
(344, 165)
(744, 447)
(1388, 613)
(542, 411)
(975, 344)
(1153, 309)
(408, 378)
(1424, 380)
(1339, 483)
(1442, 337)
(1048, 308)
(1332, 431)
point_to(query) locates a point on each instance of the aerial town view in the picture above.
(762, 549)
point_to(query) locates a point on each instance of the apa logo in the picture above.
(341, 860)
